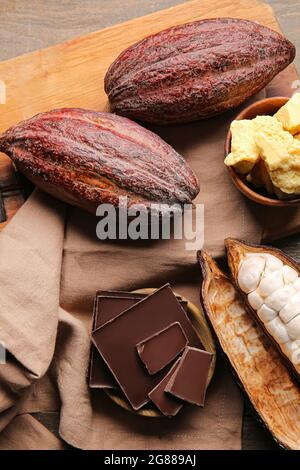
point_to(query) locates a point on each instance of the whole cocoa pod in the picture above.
(87, 158)
(195, 70)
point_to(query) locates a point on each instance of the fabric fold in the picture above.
(26, 433)
(30, 268)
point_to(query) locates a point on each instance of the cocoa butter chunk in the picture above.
(168, 405)
(189, 381)
(160, 349)
(116, 341)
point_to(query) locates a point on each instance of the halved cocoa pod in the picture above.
(87, 158)
(195, 70)
(269, 281)
(256, 363)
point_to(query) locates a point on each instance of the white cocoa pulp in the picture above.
(273, 291)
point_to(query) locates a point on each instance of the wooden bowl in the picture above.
(267, 106)
(201, 327)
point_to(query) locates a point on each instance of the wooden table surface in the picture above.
(29, 25)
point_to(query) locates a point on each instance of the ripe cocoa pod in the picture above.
(195, 70)
(87, 158)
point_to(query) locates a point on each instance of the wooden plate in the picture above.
(202, 329)
(267, 106)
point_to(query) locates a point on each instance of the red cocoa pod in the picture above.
(87, 158)
(196, 70)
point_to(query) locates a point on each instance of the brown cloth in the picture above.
(51, 265)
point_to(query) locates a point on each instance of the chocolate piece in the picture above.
(116, 341)
(168, 405)
(102, 314)
(106, 308)
(160, 349)
(190, 379)
(125, 293)
(99, 374)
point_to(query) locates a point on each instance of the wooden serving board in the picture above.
(71, 74)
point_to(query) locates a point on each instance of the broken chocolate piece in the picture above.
(130, 294)
(109, 304)
(102, 314)
(162, 347)
(168, 405)
(99, 374)
(108, 308)
(189, 382)
(105, 309)
(116, 341)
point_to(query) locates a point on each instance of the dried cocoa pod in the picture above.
(269, 282)
(195, 70)
(256, 364)
(87, 158)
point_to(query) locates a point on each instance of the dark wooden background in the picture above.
(29, 25)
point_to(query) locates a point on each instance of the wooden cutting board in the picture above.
(71, 74)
